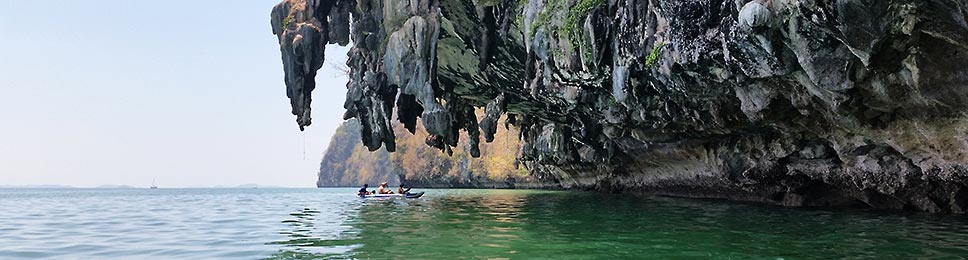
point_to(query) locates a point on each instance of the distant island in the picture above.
(118, 186)
(45, 186)
(112, 186)
(250, 185)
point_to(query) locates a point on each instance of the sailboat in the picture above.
(153, 184)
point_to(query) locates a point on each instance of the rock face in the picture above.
(788, 102)
(347, 163)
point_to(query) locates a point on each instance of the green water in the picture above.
(495, 224)
(450, 224)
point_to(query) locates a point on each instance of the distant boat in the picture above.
(153, 184)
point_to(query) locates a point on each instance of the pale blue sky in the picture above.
(190, 93)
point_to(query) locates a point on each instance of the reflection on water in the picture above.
(449, 224)
(499, 224)
(462, 223)
(304, 240)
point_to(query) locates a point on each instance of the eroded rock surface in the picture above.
(790, 102)
(347, 163)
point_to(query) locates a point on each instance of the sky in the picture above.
(186, 93)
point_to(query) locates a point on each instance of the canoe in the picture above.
(409, 195)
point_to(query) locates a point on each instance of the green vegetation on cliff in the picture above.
(348, 163)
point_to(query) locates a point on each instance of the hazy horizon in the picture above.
(188, 93)
(119, 186)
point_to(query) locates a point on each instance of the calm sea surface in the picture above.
(449, 224)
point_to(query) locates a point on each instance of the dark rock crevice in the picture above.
(797, 103)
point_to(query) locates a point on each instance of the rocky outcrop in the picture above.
(347, 163)
(789, 102)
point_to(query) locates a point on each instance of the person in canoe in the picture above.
(401, 190)
(383, 189)
(363, 191)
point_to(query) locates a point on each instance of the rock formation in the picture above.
(347, 163)
(789, 102)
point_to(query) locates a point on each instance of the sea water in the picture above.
(450, 224)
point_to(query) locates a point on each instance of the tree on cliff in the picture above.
(347, 162)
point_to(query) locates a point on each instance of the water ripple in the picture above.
(447, 224)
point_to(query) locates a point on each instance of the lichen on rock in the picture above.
(798, 103)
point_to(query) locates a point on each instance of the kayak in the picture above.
(407, 195)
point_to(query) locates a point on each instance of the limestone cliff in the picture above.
(347, 163)
(790, 102)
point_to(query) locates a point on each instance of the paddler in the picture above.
(383, 189)
(401, 190)
(363, 191)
